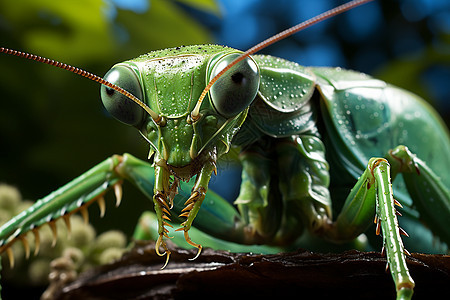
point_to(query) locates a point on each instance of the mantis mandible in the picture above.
(299, 129)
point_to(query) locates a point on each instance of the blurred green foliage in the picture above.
(408, 72)
(52, 124)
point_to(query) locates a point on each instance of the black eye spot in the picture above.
(110, 91)
(237, 78)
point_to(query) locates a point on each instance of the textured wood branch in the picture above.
(221, 274)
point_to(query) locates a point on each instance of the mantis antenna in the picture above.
(83, 73)
(195, 114)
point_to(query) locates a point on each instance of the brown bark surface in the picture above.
(220, 274)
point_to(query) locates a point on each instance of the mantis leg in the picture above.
(193, 203)
(429, 195)
(217, 216)
(147, 229)
(284, 189)
(373, 193)
(75, 196)
(216, 220)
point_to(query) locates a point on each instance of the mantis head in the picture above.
(169, 82)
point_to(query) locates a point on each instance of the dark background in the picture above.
(53, 126)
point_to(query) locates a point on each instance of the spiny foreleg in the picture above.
(76, 196)
(373, 194)
(386, 217)
(163, 200)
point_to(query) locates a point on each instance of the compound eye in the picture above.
(119, 106)
(237, 88)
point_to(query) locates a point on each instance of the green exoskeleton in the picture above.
(321, 150)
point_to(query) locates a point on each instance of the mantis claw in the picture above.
(10, 254)
(118, 192)
(160, 243)
(167, 260)
(37, 241)
(101, 206)
(54, 232)
(198, 246)
(26, 246)
(85, 214)
(190, 242)
(198, 253)
(189, 211)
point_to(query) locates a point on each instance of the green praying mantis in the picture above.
(303, 133)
